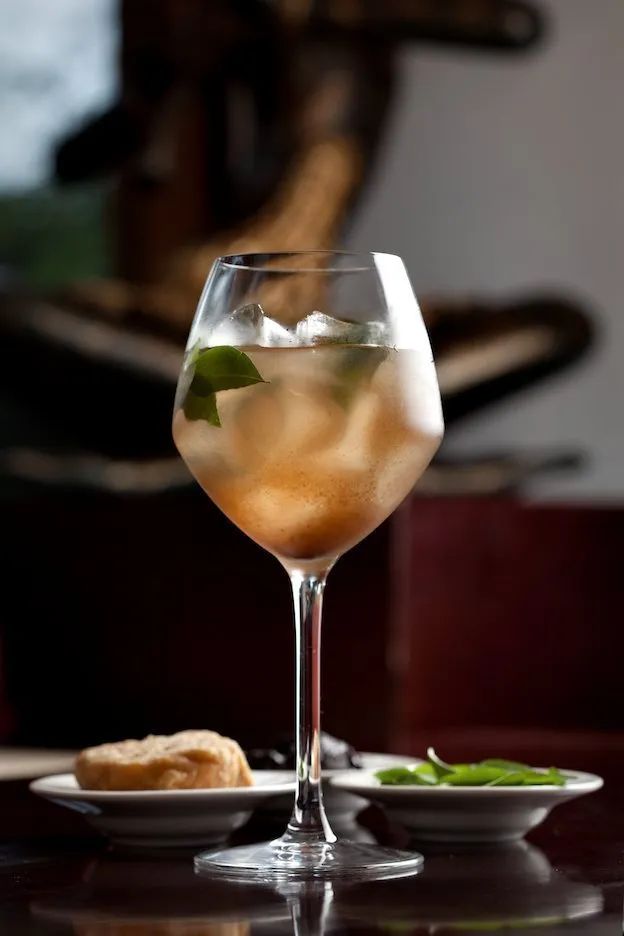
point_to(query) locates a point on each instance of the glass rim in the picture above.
(262, 261)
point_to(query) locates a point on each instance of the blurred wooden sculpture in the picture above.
(244, 127)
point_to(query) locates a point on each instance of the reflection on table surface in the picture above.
(58, 879)
(513, 886)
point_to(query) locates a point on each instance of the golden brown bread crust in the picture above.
(188, 760)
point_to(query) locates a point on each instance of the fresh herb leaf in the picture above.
(403, 776)
(425, 770)
(223, 368)
(220, 368)
(202, 407)
(552, 777)
(556, 776)
(504, 764)
(474, 775)
(441, 769)
(513, 778)
(492, 772)
(357, 366)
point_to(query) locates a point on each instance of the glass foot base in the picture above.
(279, 860)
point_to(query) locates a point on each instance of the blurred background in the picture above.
(482, 141)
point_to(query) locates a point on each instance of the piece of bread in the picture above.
(188, 760)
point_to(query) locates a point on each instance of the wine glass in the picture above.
(307, 407)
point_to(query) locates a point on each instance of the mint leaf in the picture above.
(198, 407)
(552, 777)
(357, 365)
(220, 368)
(492, 772)
(441, 769)
(426, 770)
(474, 775)
(557, 777)
(403, 776)
(504, 764)
(223, 368)
(513, 778)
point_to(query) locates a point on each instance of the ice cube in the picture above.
(318, 328)
(243, 326)
(282, 512)
(313, 423)
(195, 441)
(275, 335)
(248, 325)
(355, 450)
(255, 426)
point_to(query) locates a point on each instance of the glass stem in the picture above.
(308, 823)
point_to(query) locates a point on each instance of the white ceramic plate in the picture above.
(159, 818)
(339, 803)
(466, 814)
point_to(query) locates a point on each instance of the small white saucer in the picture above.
(466, 814)
(165, 818)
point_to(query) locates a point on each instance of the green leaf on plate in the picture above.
(441, 769)
(474, 775)
(551, 777)
(504, 764)
(513, 778)
(214, 369)
(492, 772)
(403, 776)
(425, 770)
(556, 776)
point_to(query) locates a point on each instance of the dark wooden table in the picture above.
(56, 878)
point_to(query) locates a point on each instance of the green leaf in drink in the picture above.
(361, 348)
(202, 407)
(214, 369)
(357, 365)
(223, 368)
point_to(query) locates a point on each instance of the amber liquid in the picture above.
(310, 462)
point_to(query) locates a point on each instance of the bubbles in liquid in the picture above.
(395, 474)
(298, 513)
(257, 422)
(353, 450)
